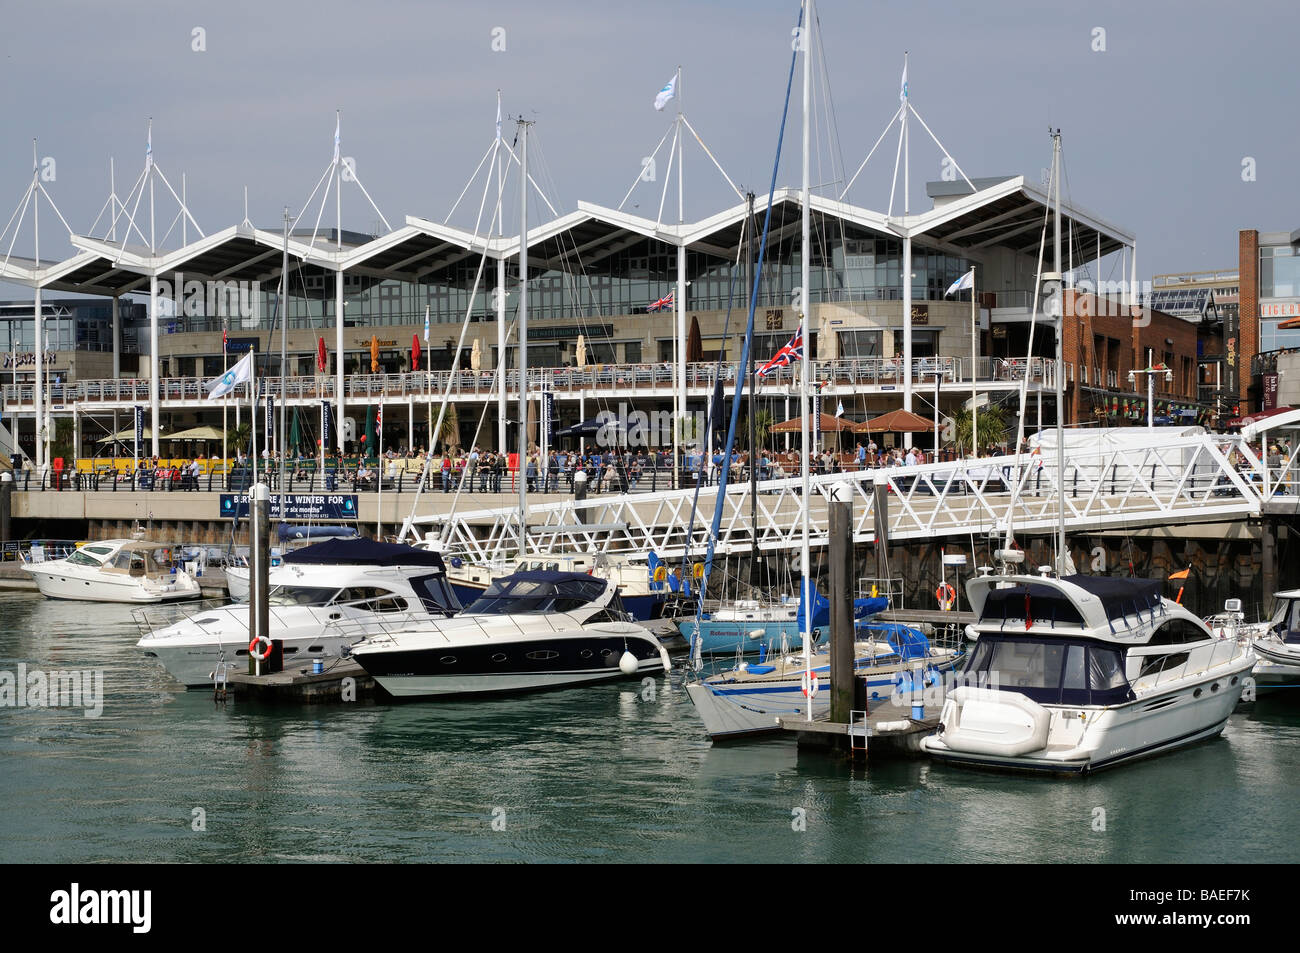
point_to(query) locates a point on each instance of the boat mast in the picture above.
(752, 374)
(523, 339)
(284, 350)
(805, 560)
(1062, 554)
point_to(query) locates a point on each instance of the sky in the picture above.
(1177, 118)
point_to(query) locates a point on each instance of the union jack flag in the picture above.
(379, 418)
(663, 303)
(791, 352)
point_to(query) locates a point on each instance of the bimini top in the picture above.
(540, 590)
(1042, 601)
(364, 552)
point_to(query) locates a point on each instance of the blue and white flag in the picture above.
(667, 93)
(426, 324)
(239, 374)
(148, 150)
(498, 116)
(964, 283)
(336, 137)
(839, 409)
(902, 87)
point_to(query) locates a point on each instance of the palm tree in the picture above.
(763, 420)
(450, 433)
(241, 437)
(992, 423)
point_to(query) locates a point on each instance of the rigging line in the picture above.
(486, 155)
(715, 400)
(743, 371)
(640, 174)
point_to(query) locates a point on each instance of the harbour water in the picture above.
(611, 773)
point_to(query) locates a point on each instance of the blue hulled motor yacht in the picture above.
(1078, 673)
(531, 630)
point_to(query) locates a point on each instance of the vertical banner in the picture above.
(139, 425)
(817, 421)
(1231, 351)
(548, 417)
(1270, 392)
(325, 426)
(270, 418)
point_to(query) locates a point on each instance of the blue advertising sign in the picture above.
(297, 506)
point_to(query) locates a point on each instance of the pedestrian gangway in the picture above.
(1169, 481)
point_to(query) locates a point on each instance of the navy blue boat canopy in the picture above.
(1119, 597)
(363, 552)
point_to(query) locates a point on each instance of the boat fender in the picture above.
(627, 663)
(252, 648)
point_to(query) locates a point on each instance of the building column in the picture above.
(338, 352)
(117, 338)
(154, 362)
(38, 348)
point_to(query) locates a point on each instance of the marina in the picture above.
(872, 513)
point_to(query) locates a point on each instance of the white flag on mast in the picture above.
(336, 138)
(963, 283)
(239, 374)
(426, 324)
(148, 150)
(667, 93)
(902, 88)
(498, 117)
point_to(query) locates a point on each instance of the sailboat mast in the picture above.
(1062, 555)
(284, 352)
(805, 248)
(752, 373)
(523, 339)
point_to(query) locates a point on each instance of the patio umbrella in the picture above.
(415, 352)
(127, 435)
(194, 433)
(374, 354)
(829, 425)
(580, 354)
(295, 435)
(896, 421)
(476, 355)
(322, 361)
(694, 343)
(368, 438)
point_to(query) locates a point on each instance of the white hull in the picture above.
(59, 581)
(983, 729)
(237, 583)
(193, 664)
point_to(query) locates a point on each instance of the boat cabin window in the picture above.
(301, 595)
(81, 559)
(1177, 632)
(514, 595)
(1153, 664)
(370, 599)
(1057, 672)
(98, 550)
(436, 596)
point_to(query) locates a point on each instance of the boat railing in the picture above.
(489, 626)
(387, 624)
(151, 619)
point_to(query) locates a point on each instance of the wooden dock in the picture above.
(887, 730)
(343, 681)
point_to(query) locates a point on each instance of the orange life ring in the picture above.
(946, 595)
(252, 648)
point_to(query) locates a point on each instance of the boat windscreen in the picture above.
(301, 596)
(436, 595)
(1055, 671)
(514, 595)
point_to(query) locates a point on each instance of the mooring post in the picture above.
(259, 562)
(880, 521)
(839, 519)
(579, 495)
(6, 505)
(1268, 557)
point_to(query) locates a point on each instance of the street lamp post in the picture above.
(1150, 372)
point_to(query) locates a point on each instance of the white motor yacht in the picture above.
(322, 598)
(1275, 642)
(530, 630)
(115, 570)
(1074, 674)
